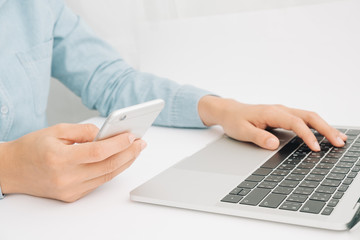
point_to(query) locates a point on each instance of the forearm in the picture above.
(181, 108)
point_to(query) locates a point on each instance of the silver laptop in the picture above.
(291, 185)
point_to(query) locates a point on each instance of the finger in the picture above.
(78, 133)
(285, 120)
(100, 150)
(313, 120)
(96, 182)
(111, 164)
(260, 137)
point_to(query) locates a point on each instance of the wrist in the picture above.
(212, 109)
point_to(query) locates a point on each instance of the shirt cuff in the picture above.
(185, 107)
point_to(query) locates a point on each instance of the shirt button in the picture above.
(4, 110)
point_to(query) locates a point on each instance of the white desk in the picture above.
(108, 213)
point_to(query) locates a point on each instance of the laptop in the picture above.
(291, 185)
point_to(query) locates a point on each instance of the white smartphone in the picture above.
(134, 119)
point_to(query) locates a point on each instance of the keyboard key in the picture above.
(320, 197)
(320, 171)
(329, 160)
(288, 183)
(309, 184)
(353, 132)
(344, 165)
(341, 170)
(292, 161)
(312, 206)
(311, 160)
(269, 185)
(262, 171)
(334, 155)
(343, 188)
(324, 166)
(232, 198)
(338, 195)
(304, 150)
(235, 191)
(255, 196)
(255, 178)
(325, 189)
(296, 156)
(295, 177)
(306, 165)
(354, 149)
(301, 171)
(280, 172)
(297, 198)
(352, 174)
(272, 200)
(292, 206)
(316, 178)
(338, 150)
(347, 181)
(317, 154)
(349, 159)
(355, 169)
(352, 154)
(244, 192)
(283, 190)
(327, 211)
(333, 202)
(286, 167)
(304, 190)
(336, 176)
(330, 183)
(274, 178)
(248, 185)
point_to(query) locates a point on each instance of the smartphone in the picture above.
(134, 119)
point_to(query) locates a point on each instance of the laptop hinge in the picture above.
(356, 219)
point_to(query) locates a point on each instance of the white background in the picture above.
(291, 52)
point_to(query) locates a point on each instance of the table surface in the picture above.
(319, 73)
(108, 212)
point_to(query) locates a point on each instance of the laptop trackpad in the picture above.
(228, 156)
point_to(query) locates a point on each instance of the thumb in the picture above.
(260, 137)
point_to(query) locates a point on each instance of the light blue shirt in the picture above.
(44, 38)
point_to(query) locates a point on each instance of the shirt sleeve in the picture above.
(94, 71)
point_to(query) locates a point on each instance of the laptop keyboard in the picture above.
(298, 179)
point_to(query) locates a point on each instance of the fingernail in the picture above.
(340, 141)
(342, 135)
(131, 138)
(271, 143)
(143, 145)
(316, 146)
